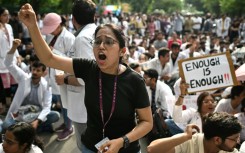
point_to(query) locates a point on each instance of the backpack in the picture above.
(28, 113)
(160, 128)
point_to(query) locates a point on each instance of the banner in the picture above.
(190, 101)
(208, 72)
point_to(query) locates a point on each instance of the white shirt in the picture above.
(187, 53)
(224, 105)
(174, 68)
(62, 45)
(195, 145)
(188, 116)
(197, 23)
(5, 46)
(75, 94)
(241, 118)
(162, 90)
(156, 64)
(34, 149)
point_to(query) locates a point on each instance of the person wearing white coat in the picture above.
(223, 25)
(6, 39)
(175, 56)
(32, 89)
(82, 47)
(157, 90)
(60, 41)
(205, 104)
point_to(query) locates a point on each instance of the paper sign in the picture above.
(190, 101)
(208, 72)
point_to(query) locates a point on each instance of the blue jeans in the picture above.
(79, 129)
(173, 128)
(52, 117)
(67, 121)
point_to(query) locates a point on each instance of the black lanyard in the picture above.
(101, 101)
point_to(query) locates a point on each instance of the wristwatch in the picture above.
(66, 79)
(125, 141)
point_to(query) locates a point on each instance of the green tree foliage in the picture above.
(198, 4)
(143, 6)
(212, 6)
(232, 7)
(169, 6)
(41, 6)
(148, 6)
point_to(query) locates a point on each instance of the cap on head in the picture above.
(50, 22)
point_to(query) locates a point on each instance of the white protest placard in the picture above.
(190, 101)
(208, 72)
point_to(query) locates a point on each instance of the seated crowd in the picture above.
(216, 117)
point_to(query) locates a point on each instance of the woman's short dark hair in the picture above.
(200, 99)
(117, 32)
(25, 133)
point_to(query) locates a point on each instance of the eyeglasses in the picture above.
(108, 42)
(147, 79)
(237, 140)
(7, 141)
(209, 100)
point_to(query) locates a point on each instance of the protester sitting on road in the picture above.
(221, 133)
(21, 137)
(32, 101)
(161, 64)
(157, 90)
(205, 105)
(232, 103)
(113, 94)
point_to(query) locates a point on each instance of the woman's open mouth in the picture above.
(102, 56)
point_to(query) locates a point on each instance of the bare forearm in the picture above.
(179, 101)
(139, 131)
(12, 50)
(167, 144)
(144, 125)
(72, 80)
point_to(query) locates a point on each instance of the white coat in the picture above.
(188, 116)
(34, 149)
(5, 46)
(24, 88)
(156, 64)
(162, 90)
(61, 47)
(82, 47)
(174, 68)
(219, 27)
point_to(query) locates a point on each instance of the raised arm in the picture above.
(177, 110)
(28, 17)
(167, 145)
